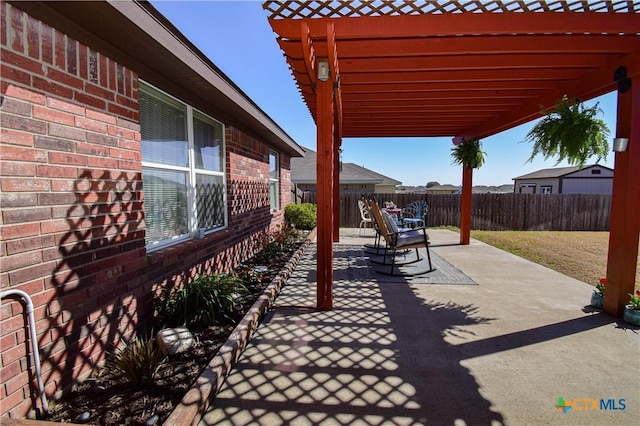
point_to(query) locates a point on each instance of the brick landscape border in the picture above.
(197, 400)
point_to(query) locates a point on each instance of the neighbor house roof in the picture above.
(137, 36)
(556, 172)
(303, 170)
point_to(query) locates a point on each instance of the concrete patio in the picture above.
(500, 352)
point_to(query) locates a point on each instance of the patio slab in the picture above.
(500, 352)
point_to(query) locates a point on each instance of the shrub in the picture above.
(273, 244)
(301, 216)
(137, 361)
(208, 299)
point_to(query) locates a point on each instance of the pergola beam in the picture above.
(459, 24)
(467, 62)
(454, 75)
(476, 45)
(447, 87)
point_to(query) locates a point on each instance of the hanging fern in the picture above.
(469, 154)
(570, 132)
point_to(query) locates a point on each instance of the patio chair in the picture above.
(365, 218)
(415, 214)
(376, 248)
(399, 239)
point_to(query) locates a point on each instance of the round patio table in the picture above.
(394, 212)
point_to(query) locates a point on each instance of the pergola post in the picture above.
(336, 191)
(624, 227)
(325, 178)
(465, 205)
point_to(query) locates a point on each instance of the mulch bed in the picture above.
(103, 399)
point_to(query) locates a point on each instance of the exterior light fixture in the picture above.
(620, 144)
(323, 70)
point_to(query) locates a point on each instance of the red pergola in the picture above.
(465, 69)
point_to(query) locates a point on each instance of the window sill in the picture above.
(185, 245)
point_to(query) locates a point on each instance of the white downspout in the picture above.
(34, 344)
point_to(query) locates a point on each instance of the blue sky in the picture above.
(237, 37)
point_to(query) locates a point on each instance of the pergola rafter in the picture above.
(464, 69)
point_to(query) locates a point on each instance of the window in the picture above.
(182, 169)
(546, 189)
(527, 188)
(596, 171)
(274, 176)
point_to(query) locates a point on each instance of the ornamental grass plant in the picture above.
(137, 361)
(208, 299)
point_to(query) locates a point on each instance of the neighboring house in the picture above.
(130, 164)
(501, 189)
(443, 189)
(593, 179)
(353, 178)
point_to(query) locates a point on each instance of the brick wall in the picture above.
(72, 235)
(72, 230)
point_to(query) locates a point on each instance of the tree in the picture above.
(432, 183)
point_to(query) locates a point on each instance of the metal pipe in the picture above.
(34, 347)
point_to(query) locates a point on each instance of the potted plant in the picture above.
(597, 297)
(469, 154)
(632, 310)
(571, 132)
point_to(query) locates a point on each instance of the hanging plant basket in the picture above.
(469, 154)
(570, 132)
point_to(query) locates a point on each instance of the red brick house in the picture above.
(129, 163)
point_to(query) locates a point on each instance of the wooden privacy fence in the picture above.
(525, 212)
(297, 195)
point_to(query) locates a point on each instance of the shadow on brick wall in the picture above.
(100, 276)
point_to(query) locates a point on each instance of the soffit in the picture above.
(455, 68)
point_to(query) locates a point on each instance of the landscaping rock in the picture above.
(172, 341)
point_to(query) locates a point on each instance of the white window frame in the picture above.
(192, 171)
(272, 180)
(546, 189)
